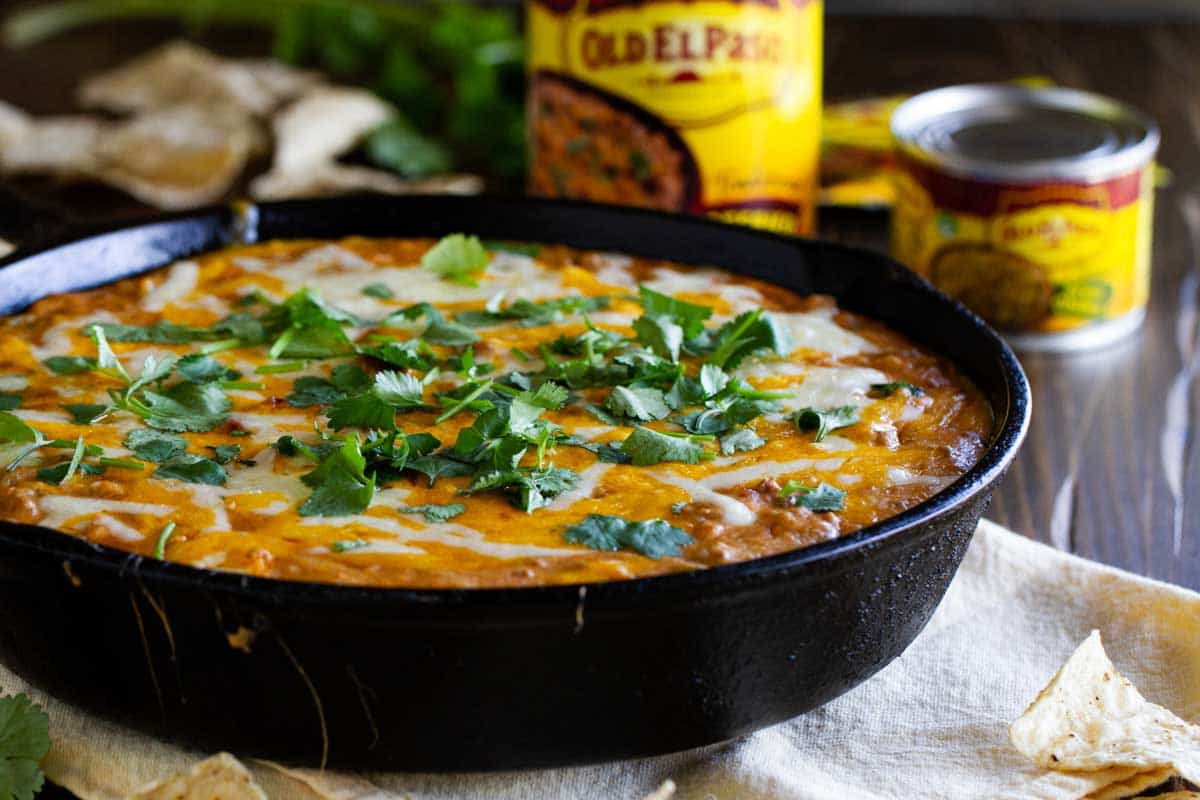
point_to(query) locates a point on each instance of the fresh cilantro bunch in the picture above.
(24, 742)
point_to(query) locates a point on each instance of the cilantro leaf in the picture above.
(532, 313)
(308, 328)
(161, 332)
(377, 407)
(224, 453)
(549, 396)
(312, 390)
(70, 365)
(340, 485)
(725, 415)
(192, 469)
(202, 368)
(9, 401)
(150, 445)
(434, 466)
(379, 290)
(411, 354)
(660, 334)
(516, 248)
(435, 513)
(822, 497)
(825, 420)
(528, 488)
(14, 430)
(24, 742)
(688, 316)
(456, 257)
(441, 331)
(85, 413)
(749, 333)
(888, 389)
(348, 545)
(647, 447)
(653, 538)
(637, 403)
(187, 407)
(740, 441)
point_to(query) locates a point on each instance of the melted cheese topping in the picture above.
(903, 449)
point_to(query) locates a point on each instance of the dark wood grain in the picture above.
(1111, 469)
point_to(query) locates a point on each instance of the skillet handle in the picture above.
(25, 222)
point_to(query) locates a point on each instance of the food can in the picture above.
(706, 106)
(1033, 206)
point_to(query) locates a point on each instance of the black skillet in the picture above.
(494, 678)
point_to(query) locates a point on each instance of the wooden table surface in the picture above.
(1111, 468)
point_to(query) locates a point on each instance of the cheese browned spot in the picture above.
(903, 448)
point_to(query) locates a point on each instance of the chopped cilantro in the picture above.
(61, 473)
(826, 420)
(888, 389)
(520, 249)
(677, 508)
(160, 546)
(162, 332)
(457, 257)
(224, 453)
(647, 447)
(192, 469)
(637, 403)
(86, 413)
(819, 498)
(531, 313)
(411, 354)
(202, 368)
(340, 485)
(24, 742)
(453, 334)
(748, 333)
(186, 407)
(435, 513)
(660, 334)
(725, 415)
(348, 545)
(376, 408)
(150, 445)
(653, 538)
(528, 488)
(9, 401)
(379, 290)
(688, 316)
(740, 441)
(69, 365)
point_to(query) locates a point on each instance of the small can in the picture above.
(1033, 206)
(704, 106)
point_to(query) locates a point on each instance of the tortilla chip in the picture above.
(221, 777)
(1090, 718)
(62, 146)
(331, 179)
(14, 123)
(177, 157)
(1132, 786)
(180, 73)
(323, 124)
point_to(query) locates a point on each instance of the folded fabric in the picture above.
(933, 724)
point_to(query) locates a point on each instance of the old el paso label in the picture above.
(670, 43)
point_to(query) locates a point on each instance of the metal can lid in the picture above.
(1005, 132)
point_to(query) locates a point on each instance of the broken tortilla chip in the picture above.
(324, 124)
(177, 157)
(1134, 785)
(180, 73)
(1090, 717)
(331, 179)
(221, 777)
(62, 146)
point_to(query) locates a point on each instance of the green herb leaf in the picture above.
(340, 485)
(660, 334)
(396, 146)
(637, 403)
(549, 395)
(888, 389)
(192, 469)
(348, 545)
(187, 407)
(162, 332)
(688, 316)
(449, 333)
(311, 390)
(150, 445)
(457, 257)
(201, 368)
(69, 365)
(654, 538)
(24, 742)
(528, 488)
(823, 421)
(224, 453)
(820, 498)
(435, 513)
(740, 441)
(749, 332)
(379, 290)
(86, 413)
(532, 313)
(646, 447)
(9, 401)
(160, 546)
(411, 354)
(363, 411)
(14, 430)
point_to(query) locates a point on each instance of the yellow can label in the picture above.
(1037, 259)
(707, 106)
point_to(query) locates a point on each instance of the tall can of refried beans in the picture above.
(706, 106)
(1033, 206)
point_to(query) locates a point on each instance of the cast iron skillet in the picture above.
(494, 678)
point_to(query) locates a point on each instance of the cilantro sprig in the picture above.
(24, 742)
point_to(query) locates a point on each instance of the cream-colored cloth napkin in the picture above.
(933, 724)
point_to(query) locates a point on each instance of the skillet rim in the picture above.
(237, 223)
